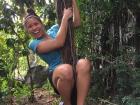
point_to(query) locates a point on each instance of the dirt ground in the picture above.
(41, 97)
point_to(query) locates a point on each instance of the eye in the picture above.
(29, 26)
(36, 24)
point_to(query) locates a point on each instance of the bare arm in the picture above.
(76, 14)
(52, 44)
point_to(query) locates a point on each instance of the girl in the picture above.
(47, 46)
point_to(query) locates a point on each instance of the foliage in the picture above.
(109, 36)
(114, 65)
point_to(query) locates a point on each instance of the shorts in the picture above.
(50, 74)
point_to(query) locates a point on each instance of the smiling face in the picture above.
(34, 27)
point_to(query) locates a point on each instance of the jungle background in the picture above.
(109, 36)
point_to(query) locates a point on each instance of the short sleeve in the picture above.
(53, 30)
(33, 45)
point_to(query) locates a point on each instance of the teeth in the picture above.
(36, 32)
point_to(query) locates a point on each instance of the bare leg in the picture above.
(63, 81)
(83, 80)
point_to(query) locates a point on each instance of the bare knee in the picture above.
(63, 72)
(67, 71)
(83, 65)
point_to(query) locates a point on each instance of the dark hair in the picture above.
(31, 13)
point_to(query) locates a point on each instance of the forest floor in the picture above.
(41, 97)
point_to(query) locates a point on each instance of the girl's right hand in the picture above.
(68, 13)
